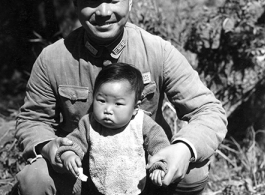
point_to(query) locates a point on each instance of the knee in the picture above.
(34, 177)
(193, 183)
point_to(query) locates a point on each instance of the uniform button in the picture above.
(192, 159)
(106, 62)
(74, 97)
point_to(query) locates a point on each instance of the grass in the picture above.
(235, 168)
(11, 160)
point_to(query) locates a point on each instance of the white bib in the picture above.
(117, 161)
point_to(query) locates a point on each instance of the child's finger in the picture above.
(163, 174)
(150, 175)
(155, 177)
(152, 178)
(71, 169)
(75, 168)
(160, 177)
(78, 162)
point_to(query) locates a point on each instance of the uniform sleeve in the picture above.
(80, 138)
(194, 103)
(38, 116)
(154, 136)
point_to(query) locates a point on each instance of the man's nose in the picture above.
(103, 9)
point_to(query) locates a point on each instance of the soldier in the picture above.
(59, 93)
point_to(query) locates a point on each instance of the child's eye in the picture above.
(101, 100)
(119, 104)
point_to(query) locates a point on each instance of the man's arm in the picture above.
(37, 117)
(197, 105)
(194, 103)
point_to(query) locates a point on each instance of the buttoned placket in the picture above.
(108, 54)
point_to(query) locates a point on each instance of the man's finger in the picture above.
(168, 178)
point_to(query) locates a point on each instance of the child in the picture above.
(114, 137)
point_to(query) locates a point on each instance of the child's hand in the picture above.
(157, 176)
(71, 162)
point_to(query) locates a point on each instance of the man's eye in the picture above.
(101, 1)
(92, 1)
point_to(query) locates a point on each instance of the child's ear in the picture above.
(137, 107)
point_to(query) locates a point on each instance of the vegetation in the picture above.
(224, 40)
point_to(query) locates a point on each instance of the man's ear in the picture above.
(130, 5)
(137, 107)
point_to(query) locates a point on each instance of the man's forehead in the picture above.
(130, 1)
(103, 0)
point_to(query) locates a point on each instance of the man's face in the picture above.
(103, 20)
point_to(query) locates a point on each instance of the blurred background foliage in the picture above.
(224, 40)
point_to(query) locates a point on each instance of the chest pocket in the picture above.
(73, 93)
(150, 98)
(75, 103)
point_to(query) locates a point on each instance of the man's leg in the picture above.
(194, 182)
(40, 179)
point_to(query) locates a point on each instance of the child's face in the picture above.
(114, 104)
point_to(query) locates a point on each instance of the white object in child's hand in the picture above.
(82, 176)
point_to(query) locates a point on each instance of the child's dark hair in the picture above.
(121, 71)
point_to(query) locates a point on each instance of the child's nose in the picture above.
(108, 110)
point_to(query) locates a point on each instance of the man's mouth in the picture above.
(104, 24)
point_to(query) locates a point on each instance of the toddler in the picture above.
(113, 142)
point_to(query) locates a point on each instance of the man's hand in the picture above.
(177, 156)
(48, 151)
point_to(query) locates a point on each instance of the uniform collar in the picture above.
(114, 49)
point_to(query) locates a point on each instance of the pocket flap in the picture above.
(74, 92)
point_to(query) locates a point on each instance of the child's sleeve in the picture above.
(155, 139)
(80, 139)
(154, 136)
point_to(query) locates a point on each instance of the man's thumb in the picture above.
(168, 178)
